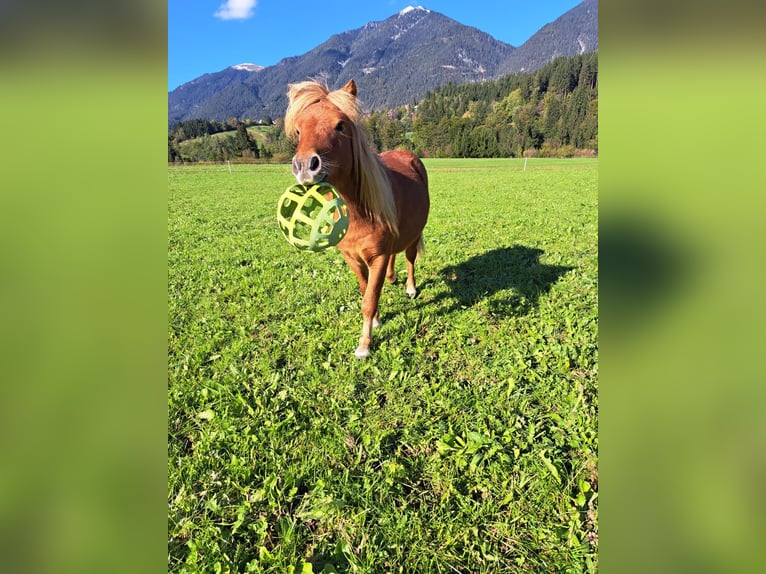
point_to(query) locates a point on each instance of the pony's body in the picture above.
(387, 195)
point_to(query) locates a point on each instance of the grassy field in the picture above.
(467, 442)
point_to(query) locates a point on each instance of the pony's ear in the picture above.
(350, 87)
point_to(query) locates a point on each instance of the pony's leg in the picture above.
(411, 253)
(391, 273)
(362, 274)
(363, 287)
(370, 317)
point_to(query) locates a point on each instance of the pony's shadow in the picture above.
(515, 271)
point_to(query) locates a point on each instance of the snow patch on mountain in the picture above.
(409, 9)
(409, 24)
(248, 67)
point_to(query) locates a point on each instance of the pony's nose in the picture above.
(306, 170)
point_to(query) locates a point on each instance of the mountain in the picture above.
(394, 62)
(575, 32)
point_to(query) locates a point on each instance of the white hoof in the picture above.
(411, 292)
(361, 353)
(376, 323)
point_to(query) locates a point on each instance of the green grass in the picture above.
(467, 442)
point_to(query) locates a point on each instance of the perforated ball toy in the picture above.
(309, 220)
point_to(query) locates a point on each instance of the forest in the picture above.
(552, 112)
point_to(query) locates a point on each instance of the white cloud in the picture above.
(235, 10)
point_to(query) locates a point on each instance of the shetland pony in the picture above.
(386, 194)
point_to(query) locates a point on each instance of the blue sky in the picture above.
(209, 35)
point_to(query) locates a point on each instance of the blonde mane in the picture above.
(372, 184)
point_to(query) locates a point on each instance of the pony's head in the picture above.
(331, 146)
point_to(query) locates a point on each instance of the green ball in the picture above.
(309, 220)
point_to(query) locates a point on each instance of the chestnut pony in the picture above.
(387, 194)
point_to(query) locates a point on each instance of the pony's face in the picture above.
(324, 150)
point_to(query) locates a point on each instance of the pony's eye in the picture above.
(339, 127)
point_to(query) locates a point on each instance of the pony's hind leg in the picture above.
(391, 276)
(413, 253)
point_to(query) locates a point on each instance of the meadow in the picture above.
(467, 441)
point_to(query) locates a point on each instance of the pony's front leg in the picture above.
(370, 317)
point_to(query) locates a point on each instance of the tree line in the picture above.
(551, 112)
(190, 140)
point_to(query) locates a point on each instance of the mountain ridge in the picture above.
(394, 62)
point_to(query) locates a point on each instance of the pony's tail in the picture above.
(421, 248)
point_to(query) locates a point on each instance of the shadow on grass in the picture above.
(516, 270)
(644, 264)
